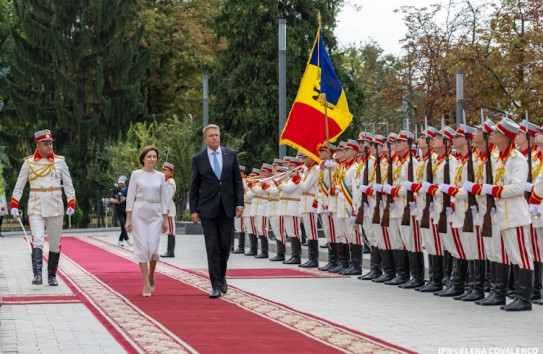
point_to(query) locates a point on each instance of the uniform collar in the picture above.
(37, 156)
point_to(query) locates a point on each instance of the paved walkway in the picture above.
(420, 322)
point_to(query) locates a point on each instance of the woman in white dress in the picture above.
(147, 214)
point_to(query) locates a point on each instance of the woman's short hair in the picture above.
(145, 151)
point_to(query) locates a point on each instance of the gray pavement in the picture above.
(420, 322)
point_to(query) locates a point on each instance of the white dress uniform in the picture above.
(345, 209)
(309, 190)
(272, 212)
(382, 235)
(289, 205)
(321, 198)
(171, 187)
(260, 209)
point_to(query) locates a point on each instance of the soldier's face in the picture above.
(45, 147)
(458, 142)
(521, 138)
(421, 142)
(212, 138)
(166, 172)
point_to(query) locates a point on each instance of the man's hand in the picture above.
(239, 212)
(15, 212)
(195, 218)
(70, 211)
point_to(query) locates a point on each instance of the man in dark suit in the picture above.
(215, 198)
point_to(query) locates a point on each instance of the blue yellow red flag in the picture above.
(305, 128)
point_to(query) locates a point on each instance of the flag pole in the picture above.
(322, 95)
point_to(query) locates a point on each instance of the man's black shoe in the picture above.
(215, 293)
(224, 287)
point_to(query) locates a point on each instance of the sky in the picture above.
(375, 20)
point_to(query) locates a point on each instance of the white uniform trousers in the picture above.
(291, 225)
(171, 225)
(518, 247)
(382, 237)
(473, 244)
(239, 224)
(310, 225)
(368, 230)
(411, 236)
(495, 248)
(278, 231)
(329, 228)
(351, 233)
(394, 233)
(452, 243)
(250, 224)
(261, 225)
(340, 231)
(536, 238)
(431, 240)
(54, 231)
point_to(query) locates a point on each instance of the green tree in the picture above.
(77, 70)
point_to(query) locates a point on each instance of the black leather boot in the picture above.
(280, 252)
(52, 266)
(447, 267)
(525, 289)
(348, 269)
(491, 274)
(375, 265)
(537, 281)
(356, 261)
(497, 297)
(458, 279)
(512, 282)
(479, 275)
(241, 244)
(169, 249)
(264, 250)
(389, 270)
(436, 281)
(417, 271)
(343, 259)
(37, 264)
(296, 247)
(333, 253)
(313, 251)
(488, 275)
(468, 285)
(401, 259)
(253, 240)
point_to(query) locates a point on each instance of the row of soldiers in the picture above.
(476, 211)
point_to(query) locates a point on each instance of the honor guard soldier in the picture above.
(167, 169)
(47, 175)
(274, 215)
(239, 225)
(250, 214)
(536, 212)
(309, 216)
(260, 207)
(510, 176)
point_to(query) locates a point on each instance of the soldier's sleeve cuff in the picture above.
(395, 191)
(14, 204)
(433, 189)
(535, 199)
(477, 189)
(369, 191)
(296, 179)
(71, 204)
(453, 191)
(497, 191)
(416, 187)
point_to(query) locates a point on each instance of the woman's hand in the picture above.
(128, 226)
(164, 223)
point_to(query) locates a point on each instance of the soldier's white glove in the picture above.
(387, 188)
(534, 209)
(431, 208)
(378, 187)
(449, 211)
(492, 212)
(314, 210)
(328, 163)
(487, 188)
(412, 205)
(352, 220)
(528, 187)
(366, 207)
(468, 186)
(70, 211)
(363, 189)
(15, 212)
(408, 185)
(392, 206)
(426, 186)
(327, 212)
(444, 188)
(474, 211)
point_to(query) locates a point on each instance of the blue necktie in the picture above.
(216, 166)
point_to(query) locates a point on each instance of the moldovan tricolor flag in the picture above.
(305, 128)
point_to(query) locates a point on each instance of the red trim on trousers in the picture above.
(522, 248)
(458, 242)
(535, 244)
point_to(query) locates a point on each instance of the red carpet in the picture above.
(263, 273)
(39, 299)
(180, 316)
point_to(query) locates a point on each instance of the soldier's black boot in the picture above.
(296, 249)
(417, 271)
(523, 302)
(253, 241)
(333, 251)
(389, 270)
(401, 259)
(343, 259)
(170, 248)
(356, 261)
(537, 281)
(37, 264)
(430, 272)
(436, 280)
(512, 285)
(280, 252)
(375, 265)
(458, 279)
(264, 251)
(491, 280)
(313, 252)
(447, 267)
(350, 265)
(52, 266)
(497, 296)
(241, 243)
(488, 275)
(479, 276)
(468, 285)
(304, 234)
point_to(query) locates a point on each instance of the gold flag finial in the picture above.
(320, 18)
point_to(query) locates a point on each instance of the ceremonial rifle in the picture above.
(385, 221)
(425, 219)
(406, 217)
(377, 210)
(529, 180)
(360, 215)
(472, 201)
(442, 224)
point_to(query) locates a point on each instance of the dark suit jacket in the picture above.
(207, 192)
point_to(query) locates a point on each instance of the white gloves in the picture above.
(314, 210)
(387, 188)
(468, 186)
(487, 189)
(474, 211)
(528, 187)
(352, 220)
(328, 163)
(492, 212)
(15, 212)
(70, 211)
(534, 209)
(449, 211)
(363, 189)
(366, 207)
(412, 206)
(431, 208)
(408, 185)
(392, 206)
(327, 212)
(444, 188)
(426, 186)
(378, 187)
